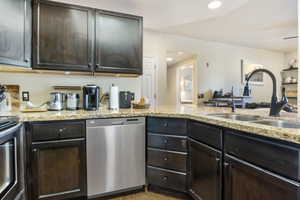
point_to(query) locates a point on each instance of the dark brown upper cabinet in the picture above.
(63, 36)
(15, 32)
(119, 43)
(74, 38)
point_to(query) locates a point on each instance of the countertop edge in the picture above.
(247, 127)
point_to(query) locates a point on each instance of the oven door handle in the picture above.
(10, 130)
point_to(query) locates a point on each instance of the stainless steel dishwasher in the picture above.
(115, 155)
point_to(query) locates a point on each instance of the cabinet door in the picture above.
(59, 170)
(248, 182)
(118, 43)
(15, 32)
(205, 172)
(63, 37)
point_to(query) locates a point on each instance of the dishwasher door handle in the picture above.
(117, 123)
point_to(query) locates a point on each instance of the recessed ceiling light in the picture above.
(180, 53)
(169, 59)
(214, 4)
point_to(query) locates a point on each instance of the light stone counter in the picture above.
(189, 112)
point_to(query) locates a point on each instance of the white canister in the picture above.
(114, 98)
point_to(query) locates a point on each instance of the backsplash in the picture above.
(40, 85)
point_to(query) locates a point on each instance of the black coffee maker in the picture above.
(91, 97)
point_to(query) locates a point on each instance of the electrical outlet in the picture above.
(25, 96)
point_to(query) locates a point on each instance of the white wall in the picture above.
(40, 85)
(224, 59)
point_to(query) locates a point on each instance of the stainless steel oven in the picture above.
(11, 159)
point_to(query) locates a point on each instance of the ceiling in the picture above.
(251, 23)
(178, 56)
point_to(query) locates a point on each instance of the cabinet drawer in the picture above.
(166, 178)
(58, 130)
(206, 134)
(172, 143)
(173, 126)
(276, 157)
(165, 159)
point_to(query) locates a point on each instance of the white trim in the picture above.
(154, 61)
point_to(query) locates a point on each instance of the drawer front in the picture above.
(167, 179)
(58, 130)
(168, 160)
(167, 142)
(278, 158)
(173, 126)
(206, 134)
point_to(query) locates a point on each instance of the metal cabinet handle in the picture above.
(165, 124)
(165, 141)
(97, 65)
(26, 60)
(165, 178)
(62, 130)
(90, 65)
(34, 150)
(219, 166)
(226, 167)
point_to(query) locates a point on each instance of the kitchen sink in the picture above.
(279, 123)
(238, 117)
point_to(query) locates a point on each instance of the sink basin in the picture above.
(238, 117)
(279, 123)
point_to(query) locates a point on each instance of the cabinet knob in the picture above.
(165, 159)
(34, 150)
(165, 178)
(90, 65)
(61, 130)
(26, 60)
(165, 141)
(226, 164)
(97, 65)
(166, 124)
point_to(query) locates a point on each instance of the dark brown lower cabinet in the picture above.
(59, 170)
(165, 178)
(243, 181)
(205, 172)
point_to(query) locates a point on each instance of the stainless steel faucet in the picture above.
(276, 106)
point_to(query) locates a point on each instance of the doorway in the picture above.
(186, 86)
(181, 77)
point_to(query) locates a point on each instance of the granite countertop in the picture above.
(190, 112)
